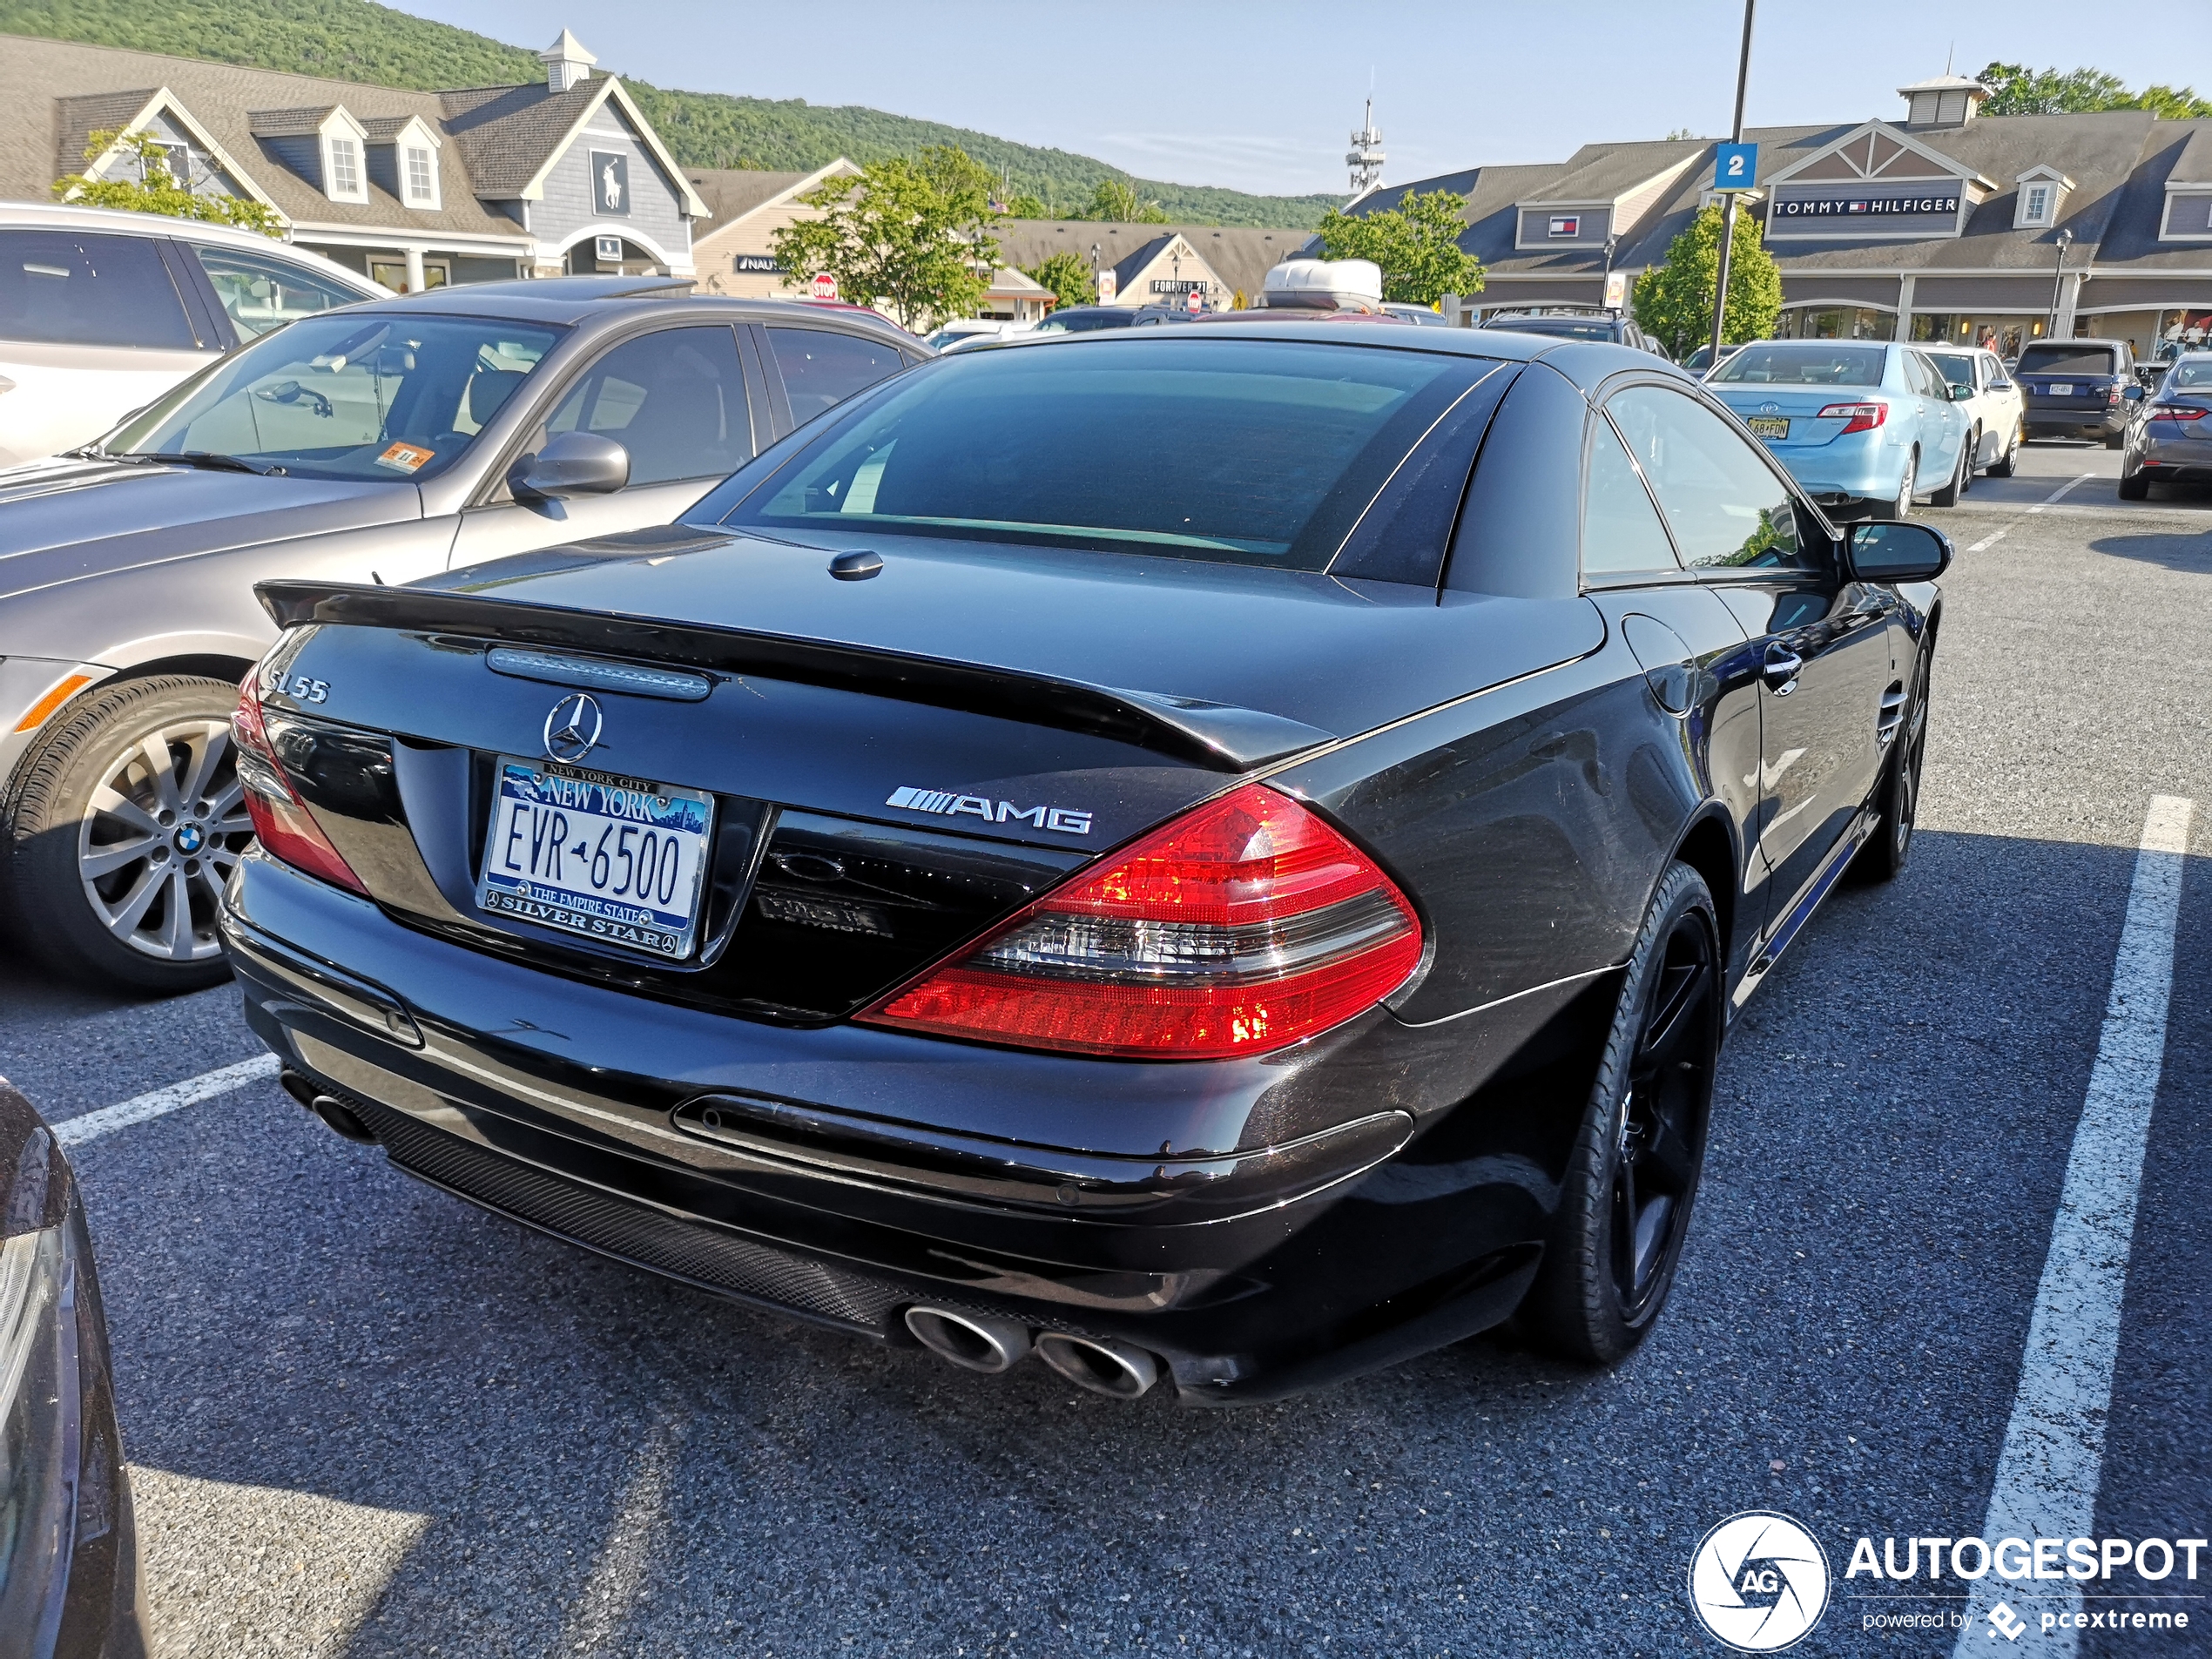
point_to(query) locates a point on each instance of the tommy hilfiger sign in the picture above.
(1861, 206)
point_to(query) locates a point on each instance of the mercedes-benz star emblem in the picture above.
(573, 729)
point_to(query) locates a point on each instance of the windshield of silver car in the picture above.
(346, 396)
(1230, 451)
(1801, 363)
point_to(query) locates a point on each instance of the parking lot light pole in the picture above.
(1728, 213)
(1612, 241)
(2058, 279)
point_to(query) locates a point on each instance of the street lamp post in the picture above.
(2058, 279)
(1728, 213)
(1612, 241)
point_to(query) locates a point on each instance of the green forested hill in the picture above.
(354, 40)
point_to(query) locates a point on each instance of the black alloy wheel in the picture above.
(1624, 1209)
(1887, 853)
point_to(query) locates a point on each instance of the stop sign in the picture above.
(1194, 301)
(824, 286)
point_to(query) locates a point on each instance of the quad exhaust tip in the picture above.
(1105, 1366)
(973, 1341)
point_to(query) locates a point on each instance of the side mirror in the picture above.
(2001, 386)
(2134, 394)
(574, 463)
(1960, 393)
(1897, 552)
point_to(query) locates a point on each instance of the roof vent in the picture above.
(566, 63)
(1945, 100)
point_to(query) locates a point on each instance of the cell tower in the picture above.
(1366, 158)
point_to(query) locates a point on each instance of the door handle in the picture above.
(1781, 669)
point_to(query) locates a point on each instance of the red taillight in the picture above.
(1240, 927)
(280, 818)
(1858, 417)
(2179, 412)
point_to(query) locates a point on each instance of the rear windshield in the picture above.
(1237, 451)
(2192, 374)
(1084, 322)
(1567, 326)
(2064, 358)
(1809, 363)
(1956, 366)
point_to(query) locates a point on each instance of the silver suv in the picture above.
(378, 443)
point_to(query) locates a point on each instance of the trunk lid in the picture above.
(894, 763)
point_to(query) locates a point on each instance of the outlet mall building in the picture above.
(1948, 224)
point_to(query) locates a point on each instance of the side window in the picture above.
(822, 367)
(1622, 534)
(259, 293)
(61, 288)
(675, 400)
(1723, 502)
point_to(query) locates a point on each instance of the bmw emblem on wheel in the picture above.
(1759, 1581)
(573, 729)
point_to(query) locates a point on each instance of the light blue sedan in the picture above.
(1863, 425)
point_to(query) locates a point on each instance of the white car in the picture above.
(102, 311)
(974, 331)
(1994, 405)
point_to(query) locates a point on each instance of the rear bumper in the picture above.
(2109, 422)
(1263, 1226)
(2182, 460)
(1847, 474)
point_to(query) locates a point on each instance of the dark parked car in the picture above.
(2172, 444)
(1004, 874)
(2079, 388)
(1083, 320)
(69, 1551)
(374, 443)
(1581, 326)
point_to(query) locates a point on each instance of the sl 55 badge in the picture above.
(948, 803)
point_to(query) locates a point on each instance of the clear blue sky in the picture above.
(1263, 96)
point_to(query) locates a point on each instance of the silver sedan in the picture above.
(377, 443)
(2172, 444)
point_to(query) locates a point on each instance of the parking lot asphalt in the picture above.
(366, 1419)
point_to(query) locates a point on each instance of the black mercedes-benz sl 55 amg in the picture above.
(1223, 856)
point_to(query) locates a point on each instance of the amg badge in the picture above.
(950, 804)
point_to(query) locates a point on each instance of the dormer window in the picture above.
(421, 176)
(2042, 194)
(344, 169)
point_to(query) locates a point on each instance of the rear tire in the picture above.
(124, 821)
(1632, 1177)
(2116, 440)
(1898, 801)
(1949, 494)
(2135, 487)
(2004, 465)
(1890, 511)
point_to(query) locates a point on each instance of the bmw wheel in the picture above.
(125, 821)
(1625, 1208)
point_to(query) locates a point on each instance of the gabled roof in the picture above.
(511, 136)
(735, 194)
(1873, 149)
(125, 112)
(2194, 165)
(1240, 255)
(289, 123)
(1604, 172)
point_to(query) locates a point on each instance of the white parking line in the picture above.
(2047, 1474)
(2058, 493)
(75, 1131)
(1990, 540)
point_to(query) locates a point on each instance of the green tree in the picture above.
(1417, 245)
(1115, 201)
(1674, 300)
(1026, 206)
(1068, 276)
(2018, 90)
(911, 235)
(158, 191)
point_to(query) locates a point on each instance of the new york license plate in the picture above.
(2063, 388)
(1767, 426)
(618, 859)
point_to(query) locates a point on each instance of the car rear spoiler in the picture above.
(1217, 736)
